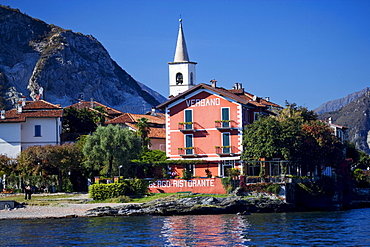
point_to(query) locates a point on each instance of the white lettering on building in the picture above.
(182, 183)
(202, 102)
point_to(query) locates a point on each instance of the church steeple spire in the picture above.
(181, 54)
(181, 70)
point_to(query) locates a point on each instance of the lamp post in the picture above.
(119, 171)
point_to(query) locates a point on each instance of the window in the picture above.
(189, 144)
(225, 117)
(191, 78)
(226, 143)
(179, 78)
(37, 130)
(257, 116)
(225, 166)
(188, 118)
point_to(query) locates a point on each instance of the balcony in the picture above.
(225, 124)
(188, 127)
(226, 150)
(188, 152)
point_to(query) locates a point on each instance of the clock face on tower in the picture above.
(179, 79)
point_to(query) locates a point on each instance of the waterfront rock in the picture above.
(196, 205)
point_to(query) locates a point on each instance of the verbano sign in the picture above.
(202, 102)
(197, 185)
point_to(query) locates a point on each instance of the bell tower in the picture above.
(181, 70)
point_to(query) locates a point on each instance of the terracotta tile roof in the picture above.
(40, 104)
(87, 104)
(33, 109)
(238, 95)
(157, 133)
(133, 118)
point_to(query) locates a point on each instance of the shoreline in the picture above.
(67, 210)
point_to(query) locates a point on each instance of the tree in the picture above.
(261, 139)
(151, 163)
(5, 165)
(143, 132)
(61, 160)
(295, 135)
(99, 115)
(320, 147)
(79, 120)
(109, 147)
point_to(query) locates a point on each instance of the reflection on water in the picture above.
(344, 228)
(203, 230)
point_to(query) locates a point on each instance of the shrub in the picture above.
(274, 189)
(101, 192)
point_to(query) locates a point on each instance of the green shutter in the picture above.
(188, 118)
(226, 142)
(189, 143)
(225, 117)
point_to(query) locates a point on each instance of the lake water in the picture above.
(343, 228)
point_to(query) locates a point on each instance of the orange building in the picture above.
(205, 122)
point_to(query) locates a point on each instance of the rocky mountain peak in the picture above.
(65, 64)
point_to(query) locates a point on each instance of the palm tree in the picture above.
(143, 131)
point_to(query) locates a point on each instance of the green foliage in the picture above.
(79, 121)
(295, 135)
(99, 115)
(208, 173)
(144, 131)
(109, 147)
(274, 189)
(186, 174)
(124, 199)
(264, 188)
(261, 139)
(233, 172)
(227, 184)
(358, 175)
(60, 160)
(101, 192)
(322, 187)
(151, 157)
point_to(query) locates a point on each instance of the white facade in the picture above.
(187, 71)
(33, 123)
(10, 139)
(15, 137)
(50, 130)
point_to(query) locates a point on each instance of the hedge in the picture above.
(101, 192)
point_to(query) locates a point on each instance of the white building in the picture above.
(181, 70)
(31, 123)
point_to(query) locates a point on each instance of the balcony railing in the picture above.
(226, 150)
(188, 126)
(188, 152)
(225, 124)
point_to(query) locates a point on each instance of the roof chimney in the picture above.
(329, 120)
(153, 112)
(23, 100)
(213, 81)
(92, 103)
(267, 99)
(20, 107)
(2, 113)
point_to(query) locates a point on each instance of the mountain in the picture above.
(67, 65)
(355, 116)
(339, 103)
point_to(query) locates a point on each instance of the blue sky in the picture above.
(305, 52)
